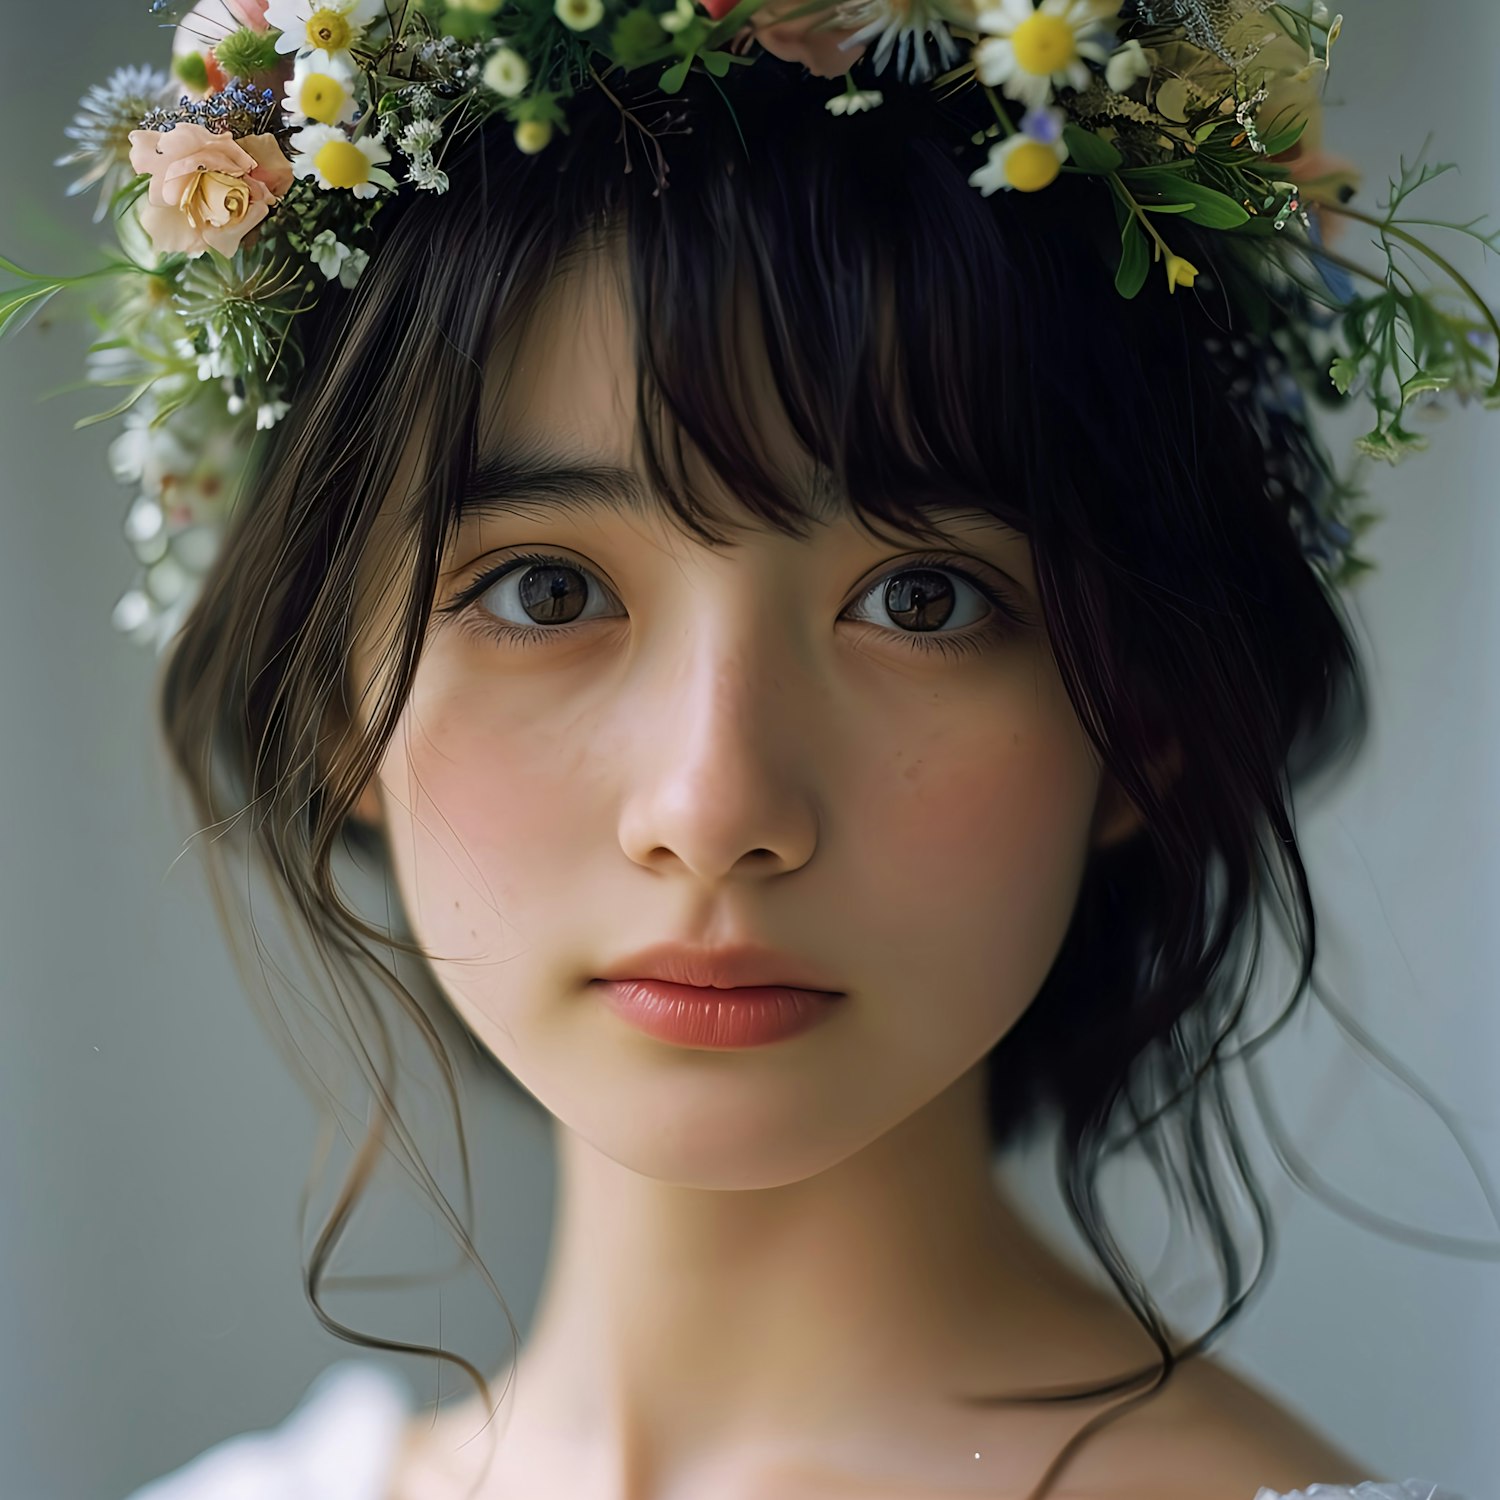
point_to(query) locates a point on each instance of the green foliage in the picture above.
(1399, 342)
(1135, 260)
(1089, 152)
(636, 36)
(1196, 201)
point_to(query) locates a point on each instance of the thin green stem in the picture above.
(1001, 113)
(1442, 262)
(1162, 248)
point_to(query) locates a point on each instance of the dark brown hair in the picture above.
(925, 340)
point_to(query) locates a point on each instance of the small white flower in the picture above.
(423, 174)
(323, 31)
(420, 137)
(218, 363)
(349, 272)
(852, 103)
(1029, 159)
(1030, 50)
(325, 95)
(580, 15)
(326, 153)
(270, 414)
(675, 20)
(328, 254)
(145, 455)
(144, 520)
(506, 72)
(1125, 65)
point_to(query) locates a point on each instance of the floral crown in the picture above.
(244, 186)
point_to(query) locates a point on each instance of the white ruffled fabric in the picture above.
(340, 1444)
(1407, 1489)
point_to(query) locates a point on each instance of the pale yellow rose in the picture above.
(208, 189)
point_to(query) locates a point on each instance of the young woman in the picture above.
(827, 677)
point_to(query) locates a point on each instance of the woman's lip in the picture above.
(694, 1016)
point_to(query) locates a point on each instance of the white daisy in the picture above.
(1028, 51)
(323, 31)
(1028, 160)
(325, 152)
(900, 26)
(326, 96)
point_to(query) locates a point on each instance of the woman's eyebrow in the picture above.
(525, 478)
(532, 480)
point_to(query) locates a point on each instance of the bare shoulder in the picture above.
(1210, 1434)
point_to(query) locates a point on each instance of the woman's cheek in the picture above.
(484, 821)
(976, 860)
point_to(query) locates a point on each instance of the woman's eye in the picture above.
(534, 596)
(932, 604)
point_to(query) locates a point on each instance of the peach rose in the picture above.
(795, 40)
(208, 190)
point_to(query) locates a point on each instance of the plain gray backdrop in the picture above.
(152, 1147)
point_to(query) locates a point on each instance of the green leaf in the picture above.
(116, 411)
(13, 304)
(675, 76)
(1203, 132)
(1343, 372)
(717, 63)
(1423, 380)
(1167, 208)
(1135, 259)
(1206, 205)
(1088, 152)
(1284, 140)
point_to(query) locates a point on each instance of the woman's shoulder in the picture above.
(1215, 1435)
(338, 1443)
(1211, 1436)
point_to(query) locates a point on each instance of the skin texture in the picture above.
(772, 1270)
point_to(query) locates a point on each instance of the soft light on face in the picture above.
(734, 744)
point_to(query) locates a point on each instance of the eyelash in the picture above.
(483, 625)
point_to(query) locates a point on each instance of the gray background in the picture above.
(152, 1148)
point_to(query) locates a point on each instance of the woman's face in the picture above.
(742, 744)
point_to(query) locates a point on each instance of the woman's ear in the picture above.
(1116, 817)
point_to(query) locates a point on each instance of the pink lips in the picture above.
(691, 1016)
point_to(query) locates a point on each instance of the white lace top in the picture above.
(340, 1444)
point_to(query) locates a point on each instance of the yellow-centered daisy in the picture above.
(1028, 160)
(326, 153)
(323, 31)
(1028, 50)
(326, 97)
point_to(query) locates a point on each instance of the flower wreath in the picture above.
(244, 184)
